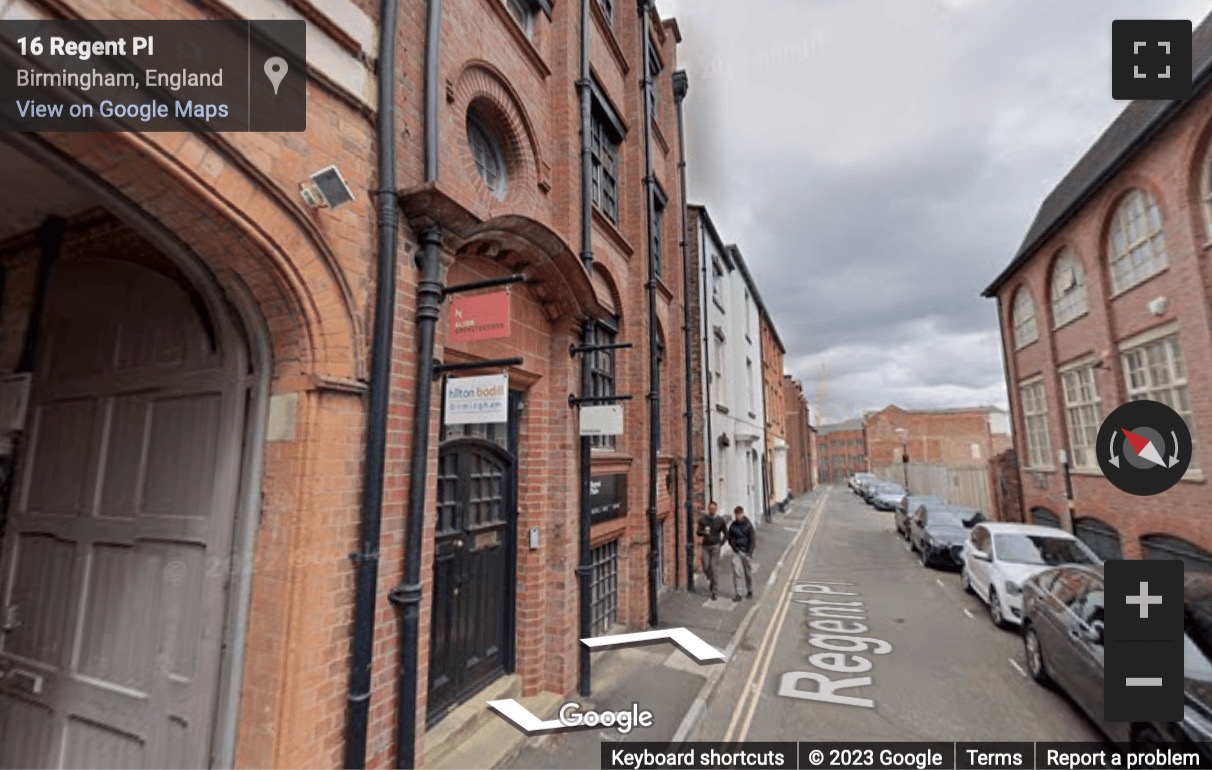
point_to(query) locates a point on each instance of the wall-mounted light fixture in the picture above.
(326, 190)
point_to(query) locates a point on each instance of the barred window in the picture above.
(602, 370)
(1068, 289)
(1035, 417)
(1136, 245)
(1026, 330)
(604, 587)
(1082, 412)
(1156, 371)
(604, 181)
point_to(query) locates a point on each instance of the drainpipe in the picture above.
(407, 596)
(585, 561)
(1022, 514)
(708, 407)
(654, 371)
(681, 85)
(366, 577)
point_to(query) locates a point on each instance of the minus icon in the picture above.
(1143, 681)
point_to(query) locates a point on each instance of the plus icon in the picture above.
(1144, 600)
(1151, 59)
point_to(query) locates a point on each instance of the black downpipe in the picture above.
(407, 596)
(654, 371)
(708, 406)
(366, 577)
(681, 86)
(585, 565)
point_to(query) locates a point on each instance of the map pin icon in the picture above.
(275, 70)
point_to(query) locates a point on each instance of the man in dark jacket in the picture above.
(742, 539)
(712, 529)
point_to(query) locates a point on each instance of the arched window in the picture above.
(1136, 245)
(1068, 289)
(1102, 538)
(1193, 557)
(1045, 518)
(1026, 330)
(490, 160)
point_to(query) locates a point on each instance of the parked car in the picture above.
(886, 496)
(998, 557)
(1063, 641)
(937, 533)
(857, 480)
(908, 505)
(867, 491)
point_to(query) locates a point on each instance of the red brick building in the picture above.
(951, 437)
(841, 451)
(210, 466)
(778, 456)
(800, 455)
(1107, 300)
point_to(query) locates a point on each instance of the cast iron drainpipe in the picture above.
(407, 596)
(367, 558)
(654, 371)
(681, 85)
(585, 565)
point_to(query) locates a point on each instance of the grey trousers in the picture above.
(742, 566)
(711, 565)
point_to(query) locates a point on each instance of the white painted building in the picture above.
(734, 438)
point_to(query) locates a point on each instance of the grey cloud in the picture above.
(878, 162)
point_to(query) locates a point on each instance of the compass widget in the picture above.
(1144, 447)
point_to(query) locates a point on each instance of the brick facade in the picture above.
(778, 455)
(1171, 167)
(800, 455)
(841, 451)
(943, 437)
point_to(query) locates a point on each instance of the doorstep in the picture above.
(472, 735)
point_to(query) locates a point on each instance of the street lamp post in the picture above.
(904, 436)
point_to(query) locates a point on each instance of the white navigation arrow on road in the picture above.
(687, 641)
(522, 717)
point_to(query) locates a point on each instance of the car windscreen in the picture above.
(1040, 549)
(945, 518)
(889, 489)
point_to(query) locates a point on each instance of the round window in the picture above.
(486, 150)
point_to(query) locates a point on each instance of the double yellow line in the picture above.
(751, 695)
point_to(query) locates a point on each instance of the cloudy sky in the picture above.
(878, 163)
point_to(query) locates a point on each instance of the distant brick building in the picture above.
(951, 437)
(777, 449)
(1107, 300)
(800, 455)
(841, 451)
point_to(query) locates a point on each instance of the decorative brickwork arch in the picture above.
(557, 279)
(481, 89)
(607, 289)
(242, 227)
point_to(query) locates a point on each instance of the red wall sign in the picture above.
(479, 317)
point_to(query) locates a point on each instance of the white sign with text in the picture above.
(472, 400)
(602, 420)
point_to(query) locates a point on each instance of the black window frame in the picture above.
(604, 586)
(603, 371)
(606, 135)
(607, 8)
(655, 68)
(659, 204)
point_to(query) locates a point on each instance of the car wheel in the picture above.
(1035, 656)
(923, 557)
(995, 609)
(966, 582)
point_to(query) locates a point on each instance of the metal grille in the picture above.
(604, 587)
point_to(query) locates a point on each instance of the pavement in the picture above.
(661, 678)
(848, 638)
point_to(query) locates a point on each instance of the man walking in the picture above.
(742, 538)
(712, 529)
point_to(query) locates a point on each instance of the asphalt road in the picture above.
(922, 658)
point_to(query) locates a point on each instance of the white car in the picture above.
(997, 557)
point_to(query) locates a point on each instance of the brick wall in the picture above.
(1170, 168)
(842, 453)
(952, 438)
